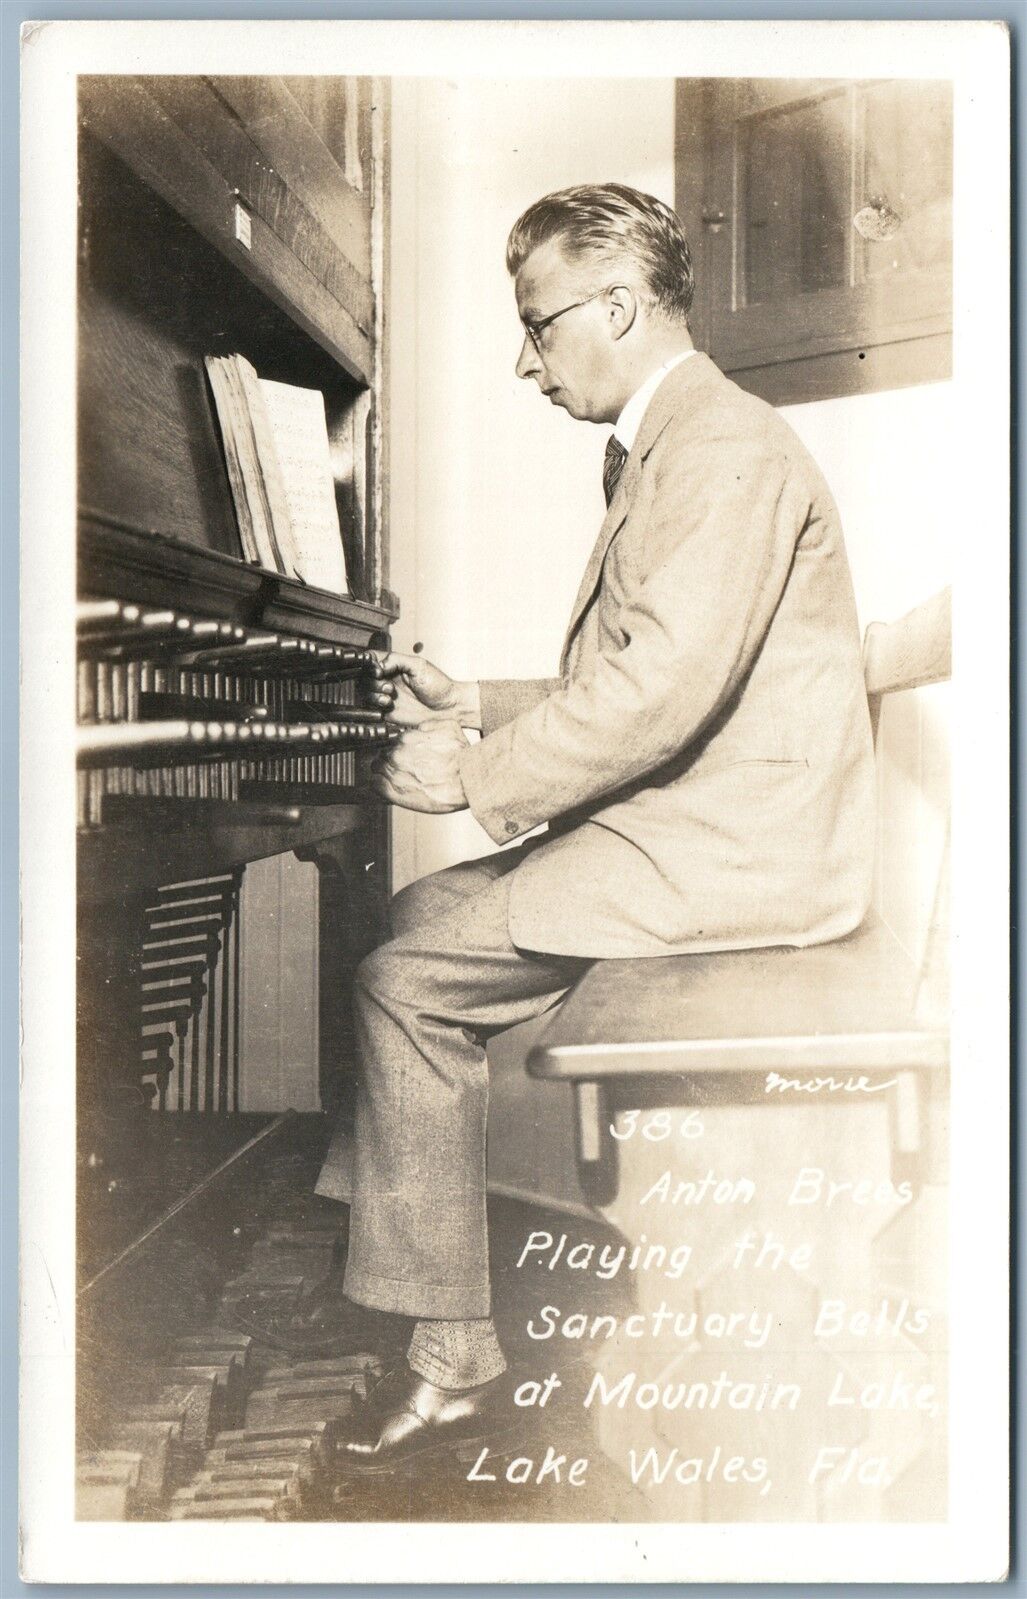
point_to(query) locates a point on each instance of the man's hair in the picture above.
(609, 222)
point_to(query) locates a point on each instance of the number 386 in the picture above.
(656, 1125)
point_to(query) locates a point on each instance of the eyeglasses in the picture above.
(535, 330)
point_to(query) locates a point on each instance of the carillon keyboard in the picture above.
(176, 707)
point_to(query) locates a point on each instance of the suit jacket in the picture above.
(704, 758)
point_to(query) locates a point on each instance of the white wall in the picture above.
(894, 464)
(496, 496)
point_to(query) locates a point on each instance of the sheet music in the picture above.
(301, 438)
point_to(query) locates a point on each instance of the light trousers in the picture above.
(426, 1003)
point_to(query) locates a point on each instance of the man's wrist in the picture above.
(468, 705)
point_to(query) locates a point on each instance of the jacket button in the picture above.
(511, 827)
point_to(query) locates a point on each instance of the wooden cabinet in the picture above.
(224, 215)
(217, 216)
(220, 216)
(820, 217)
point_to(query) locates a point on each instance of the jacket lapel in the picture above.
(665, 402)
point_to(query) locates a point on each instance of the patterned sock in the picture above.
(456, 1354)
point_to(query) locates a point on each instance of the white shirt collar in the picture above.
(630, 419)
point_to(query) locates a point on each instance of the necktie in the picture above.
(613, 466)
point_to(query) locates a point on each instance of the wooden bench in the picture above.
(698, 1029)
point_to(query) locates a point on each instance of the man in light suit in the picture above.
(703, 761)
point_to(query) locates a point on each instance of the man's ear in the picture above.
(623, 309)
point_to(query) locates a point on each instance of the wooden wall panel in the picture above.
(279, 983)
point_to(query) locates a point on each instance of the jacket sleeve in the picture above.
(726, 515)
(504, 698)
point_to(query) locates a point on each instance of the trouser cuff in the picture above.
(456, 1302)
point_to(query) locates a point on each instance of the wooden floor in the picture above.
(227, 1264)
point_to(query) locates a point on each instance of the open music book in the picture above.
(275, 438)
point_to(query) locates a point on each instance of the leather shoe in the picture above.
(404, 1415)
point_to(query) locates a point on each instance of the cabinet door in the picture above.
(821, 215)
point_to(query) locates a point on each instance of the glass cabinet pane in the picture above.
(904, 212)
(795, 188)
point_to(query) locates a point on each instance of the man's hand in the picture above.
(422, 771)
(412, 692)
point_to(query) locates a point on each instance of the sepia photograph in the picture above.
(487, 900)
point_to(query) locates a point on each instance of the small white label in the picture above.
(242, 226)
